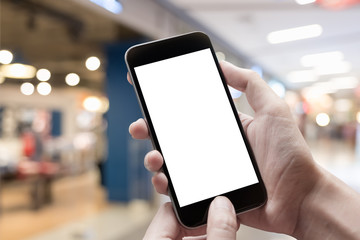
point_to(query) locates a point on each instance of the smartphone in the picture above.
(194, 124)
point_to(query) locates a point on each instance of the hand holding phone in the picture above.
(292, 178)
(193, 123)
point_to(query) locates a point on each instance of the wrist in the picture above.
(330, 210)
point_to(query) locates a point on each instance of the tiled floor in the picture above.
(80, 211)
(115, 222)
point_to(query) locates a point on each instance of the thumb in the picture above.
(221, 220)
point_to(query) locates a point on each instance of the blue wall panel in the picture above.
(124, 170)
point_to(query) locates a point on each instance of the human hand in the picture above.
(221, 224)
(300, 193)
(282, 155)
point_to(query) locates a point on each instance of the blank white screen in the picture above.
(198, 134)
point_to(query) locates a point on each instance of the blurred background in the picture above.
(68, 166)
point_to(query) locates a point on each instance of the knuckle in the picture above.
(252, 74)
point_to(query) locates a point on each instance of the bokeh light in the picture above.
(6, 57)
(92, 63)
(92, 104)
(18, 71)
(44, 88)
(43, 74)
(72, 79)
(27, 88)
(322, 119)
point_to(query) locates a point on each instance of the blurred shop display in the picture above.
(33, 150)
(53, 102)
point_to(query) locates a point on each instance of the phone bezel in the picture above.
(243, 199)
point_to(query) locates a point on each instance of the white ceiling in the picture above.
(244, 24)
(240, 26)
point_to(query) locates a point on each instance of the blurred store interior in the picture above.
(69, 168)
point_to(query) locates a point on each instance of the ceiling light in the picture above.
(335, 84)
(92, 104)
(345, 82)
(302, 76)
(92, 63)
(321, 88)
(27, 88)
(314, 92)
(18, 70)
(333, 68)
(322, 119)
(317, 59)
(113, 6)
(5, 57)
(293, 34)
(43, 74)
(44, 88)
(303, 2)
(72, 79)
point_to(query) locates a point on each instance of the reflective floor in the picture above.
(79, 209)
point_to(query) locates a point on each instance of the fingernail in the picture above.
(223, 203)
(130, 127)
(146, 162)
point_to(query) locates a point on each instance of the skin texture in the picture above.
(303, 200)
(222, 223)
